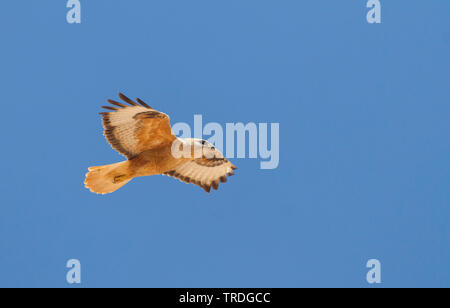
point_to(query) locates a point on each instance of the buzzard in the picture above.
(144, 136)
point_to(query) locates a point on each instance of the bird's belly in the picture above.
(151, 163)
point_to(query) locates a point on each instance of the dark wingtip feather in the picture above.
(116, 103)
(127, 100)
(142, 103)
(215, 185)
(110, 108)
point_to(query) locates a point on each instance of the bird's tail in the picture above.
(108, 178)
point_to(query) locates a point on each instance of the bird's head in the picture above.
(199, 144)
(200, 147)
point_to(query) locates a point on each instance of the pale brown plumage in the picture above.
(144, 136)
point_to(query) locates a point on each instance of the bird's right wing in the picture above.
(204, 172)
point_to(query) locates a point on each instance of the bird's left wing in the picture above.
(136, 127)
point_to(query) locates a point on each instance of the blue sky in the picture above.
(364, 143)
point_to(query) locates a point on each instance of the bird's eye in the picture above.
(203, 142)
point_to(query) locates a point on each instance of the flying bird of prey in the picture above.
(144, 136)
